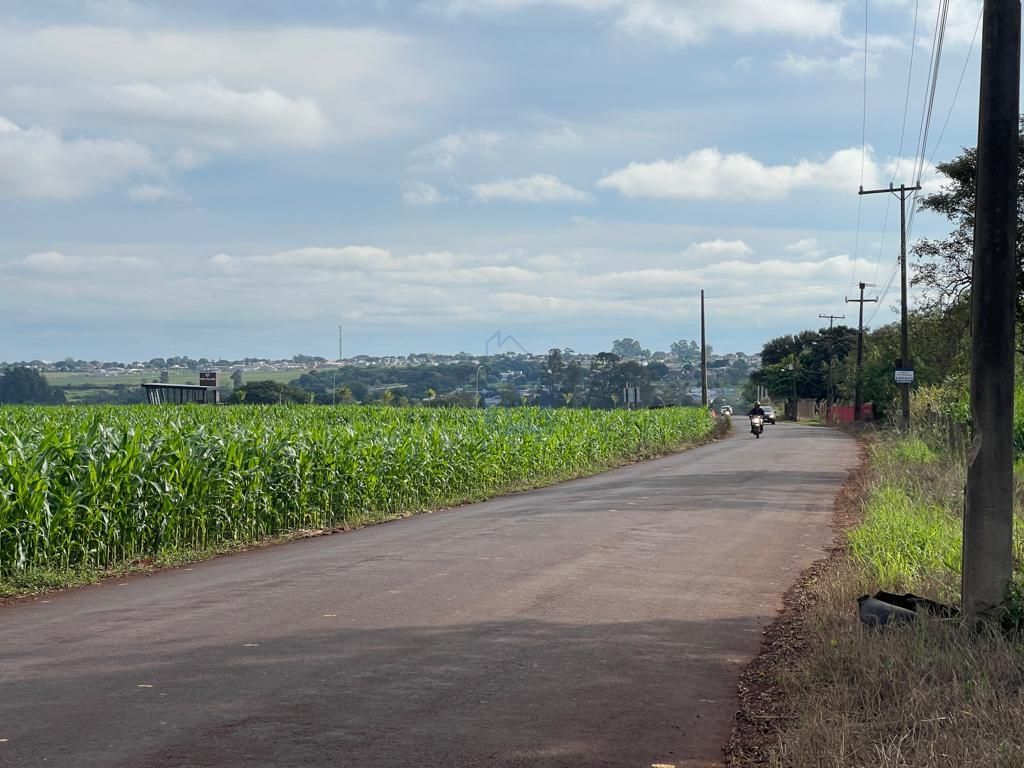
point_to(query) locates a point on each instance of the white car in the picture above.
(727, 410)
(769, 414)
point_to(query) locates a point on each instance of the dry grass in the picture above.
(828, 692)
(930, 694)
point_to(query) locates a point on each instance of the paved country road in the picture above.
(601, 622)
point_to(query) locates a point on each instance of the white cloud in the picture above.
(540, 188)
(717, 250)
(54, 264)
(807, 247)
(692, 21)
(445, 153)
(221, 87)
(689, 21)
(384, 291)
(419, 194)
(39, 164)
(219, 117)
(708, 174)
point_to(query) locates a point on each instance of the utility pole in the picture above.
(340, 339)
(831, 360)
(988, 512)
(703, 357)
(901, 192)
(857, 398)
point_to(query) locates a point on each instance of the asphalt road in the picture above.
(601, 622)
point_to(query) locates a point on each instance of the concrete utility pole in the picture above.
(340, 350)
(831, 360)
(857, 398)
(988, 513)
(703, 357)
(904, 341)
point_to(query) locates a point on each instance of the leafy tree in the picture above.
(944, 266)
(629, 348)
(554, 368)
(685, 351)
(23, 385)
(236, 378)
(268, 393)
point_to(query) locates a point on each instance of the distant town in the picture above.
(559, 378)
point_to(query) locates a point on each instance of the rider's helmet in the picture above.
(757, 403)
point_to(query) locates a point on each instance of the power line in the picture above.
(970, 51)
(906, 101)
(926, 116)
(885, 291)
(881, 245)
(863, 147)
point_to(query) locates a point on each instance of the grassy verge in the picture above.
(828, 692)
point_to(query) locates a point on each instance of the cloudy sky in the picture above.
(237, 178)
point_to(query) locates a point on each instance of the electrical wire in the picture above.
(967, 61)
(926, 115)
(906, 101)
(863, 149)
(885, 292)
(881, 245)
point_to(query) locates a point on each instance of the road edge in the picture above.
(763, 710)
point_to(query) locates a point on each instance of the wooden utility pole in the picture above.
(703, 357)
(988, 513)
(857, 396)
(831, 360)
(901, 192)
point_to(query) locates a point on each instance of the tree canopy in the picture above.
(23, 385)
(945, 265)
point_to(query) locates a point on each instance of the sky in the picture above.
(238, 179)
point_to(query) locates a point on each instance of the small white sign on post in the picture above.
(904, 375)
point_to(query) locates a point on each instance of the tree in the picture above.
(23, 385)
(944, 266)
(554, 367)
(165, 376)
(628, 348)
(236, 378)
(685, 351)
(268, 393)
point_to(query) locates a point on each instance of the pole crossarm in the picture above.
(902, 189)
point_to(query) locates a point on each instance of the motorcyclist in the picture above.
(757, 410)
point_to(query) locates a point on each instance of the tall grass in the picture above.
(107, 485)
(932, 693)
(905, 542)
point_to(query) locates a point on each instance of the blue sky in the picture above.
(237, 178)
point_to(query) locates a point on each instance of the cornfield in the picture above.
(101, 486)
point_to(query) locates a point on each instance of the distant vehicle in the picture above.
(727, 410)
(769, 414)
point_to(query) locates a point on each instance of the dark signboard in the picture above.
(208, 379)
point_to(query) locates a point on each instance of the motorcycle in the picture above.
(756, 425)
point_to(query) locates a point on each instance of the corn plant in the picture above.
(100, 486)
